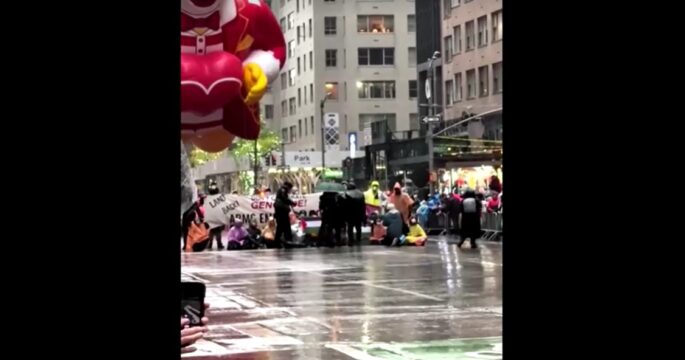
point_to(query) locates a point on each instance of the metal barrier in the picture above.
(437, 223)
(491, 225)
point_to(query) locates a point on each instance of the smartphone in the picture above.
(193, 302)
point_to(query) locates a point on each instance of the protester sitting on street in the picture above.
(269, 233)
(377, 232)
(189, 335)
(254, 235)
(236, 236)
(416, 234)
(392, 220)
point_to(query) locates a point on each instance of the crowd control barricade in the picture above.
(491, 225)
(438, 223)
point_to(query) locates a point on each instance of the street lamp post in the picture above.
(431, 118)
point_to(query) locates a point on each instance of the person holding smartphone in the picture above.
(190, 335)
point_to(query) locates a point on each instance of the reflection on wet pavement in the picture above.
(351, 303)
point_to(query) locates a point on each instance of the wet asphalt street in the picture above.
(364, 302)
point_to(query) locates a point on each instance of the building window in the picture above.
(284, 134)
(291, 48)
(291, 77)
(458, 91)
(457, 39)
(375, 23)
(412, 57)
(497, 78)
(282, 23)
(304, 61)
(291, 21)
(299, 128)
(311, 92)
(284, 81)
(483, 81)
(330, 27)
(447, 8)
(268, 112)
(449, 92)
(311, 124)
(449, 52)
(293, 107)
(376, 89)
(482, 31)
(471, 84)
(310, 28)
(331, 57)
(311, 60)
(304, 91)
(414, 121)
(375, 56)
(332, 90)
(455, 3)
(293, 136)
(328, 0)
(298, 65)
(284, 108)
(470, 36)
(298, 6)
(306, 128)
(299, 31)
(379, 124)
(411, 23)
(497, 26)
(299, 97)
(413, 89)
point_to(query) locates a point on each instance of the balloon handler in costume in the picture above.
(231, 50)
(374, 198)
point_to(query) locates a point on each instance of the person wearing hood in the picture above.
(374, 198)
(402, 202)
(422, 214)
(393, 222)
(416, 234)
(254, 235)
(470, 212)
(236, 236)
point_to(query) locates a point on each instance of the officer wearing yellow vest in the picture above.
(374, 198)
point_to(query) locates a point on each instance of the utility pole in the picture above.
(431, 117)
(256, 162)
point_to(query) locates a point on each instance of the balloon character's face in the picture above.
(199, 7)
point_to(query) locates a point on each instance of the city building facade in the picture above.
(360, 56)
(472, 64)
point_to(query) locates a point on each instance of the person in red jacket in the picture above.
(493, 203)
